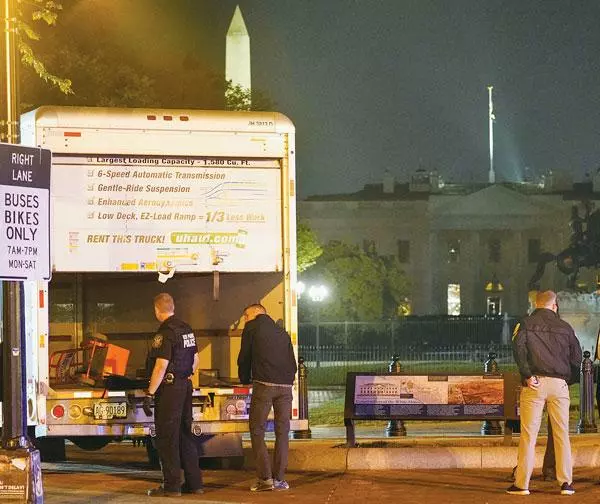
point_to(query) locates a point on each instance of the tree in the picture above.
(38, 10)
(98, 80)
(308, 246)
(239, 98)
(363, 287)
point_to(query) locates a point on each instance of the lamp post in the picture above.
(317, 294)
(17, 450)
(13, 333)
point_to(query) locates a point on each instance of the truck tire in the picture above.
(52, 449)
(90, 443)
(152, 453)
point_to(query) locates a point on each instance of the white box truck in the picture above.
(200, 204)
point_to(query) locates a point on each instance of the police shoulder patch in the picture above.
(157, 340)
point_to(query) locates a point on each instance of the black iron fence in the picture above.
(412, 330)
(329, 364)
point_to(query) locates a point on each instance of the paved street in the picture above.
(118, 473)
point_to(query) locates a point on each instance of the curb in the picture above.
(332, 455)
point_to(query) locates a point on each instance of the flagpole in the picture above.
(491, 174)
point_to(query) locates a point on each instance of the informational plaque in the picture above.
(459, 397)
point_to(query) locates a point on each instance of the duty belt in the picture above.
(171, 378)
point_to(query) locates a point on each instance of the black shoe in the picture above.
(196, 491)
(567, 489)
(161, 492)
(515, 490)
(187, 490)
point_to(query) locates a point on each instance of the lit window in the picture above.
(494, 305)
(453, 299)
(453, 251)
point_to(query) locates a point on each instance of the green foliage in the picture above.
(309, 249)
(98, 82)
(38, 10)
(239, 98)
(363, 286)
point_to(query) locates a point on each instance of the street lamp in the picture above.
(300, 288)
(317, 294)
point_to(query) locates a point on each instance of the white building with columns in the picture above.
(468, 249)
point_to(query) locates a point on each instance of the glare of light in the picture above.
(300, 288)
(318, 293)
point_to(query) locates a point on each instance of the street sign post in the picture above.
(24, 256)
(24, 213)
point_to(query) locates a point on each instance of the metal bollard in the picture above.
(395, 428)
(491, 427)
(302, 400)
(586, 422)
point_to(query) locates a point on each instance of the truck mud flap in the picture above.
(52, 449)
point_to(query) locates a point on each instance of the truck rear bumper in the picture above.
(145, 429)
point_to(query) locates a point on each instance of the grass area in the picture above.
(332, 412)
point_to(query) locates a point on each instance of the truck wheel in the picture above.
(90, 443)
(152, 452)
(51, 449)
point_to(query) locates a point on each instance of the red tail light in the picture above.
(58, 411)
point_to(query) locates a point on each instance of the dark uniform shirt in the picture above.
(175, 342)
(545, 345)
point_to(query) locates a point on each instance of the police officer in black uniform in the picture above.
(172, 360)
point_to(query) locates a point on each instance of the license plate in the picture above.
(107, 411)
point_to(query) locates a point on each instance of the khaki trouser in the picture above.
(554, 392)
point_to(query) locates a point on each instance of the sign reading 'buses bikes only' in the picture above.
(24, 213)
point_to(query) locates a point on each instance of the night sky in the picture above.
(400, 85)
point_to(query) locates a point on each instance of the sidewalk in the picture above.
(411, 470)
(232, 487)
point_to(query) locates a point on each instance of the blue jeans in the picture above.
(280, 398)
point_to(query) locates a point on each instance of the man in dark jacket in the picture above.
(547, 354)
(267, 361)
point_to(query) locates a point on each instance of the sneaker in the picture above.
(515, 490)
(161, 492)
(262, 485)
(567, 489)
(280, 485)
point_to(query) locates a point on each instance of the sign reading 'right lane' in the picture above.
(24, 213)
